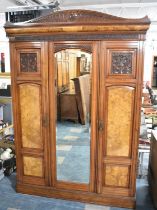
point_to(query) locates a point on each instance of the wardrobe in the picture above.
(117, 48)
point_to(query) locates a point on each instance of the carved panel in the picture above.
(121, 63)
(117, 176)
(28, 62)
(30, 103)
(86, 48)
(84, 16)
(119, 120)
(33, 166)
(78, 37)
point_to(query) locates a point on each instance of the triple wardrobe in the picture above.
(76, 89)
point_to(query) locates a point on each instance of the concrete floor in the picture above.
(10, 200)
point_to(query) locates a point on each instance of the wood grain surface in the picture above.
(30, 106)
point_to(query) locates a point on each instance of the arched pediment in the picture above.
(83, 17)
(77, 21)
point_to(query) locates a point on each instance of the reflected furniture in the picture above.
(82, 89)
(62, 71)
(154, 72)
(117, 46)
(152, 170)
(68, 106)
(75, 104)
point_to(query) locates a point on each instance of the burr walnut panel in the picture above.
(33, 166)
(117, 176)
(119, 120)
(30, 108)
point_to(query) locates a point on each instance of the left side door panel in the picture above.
(30, 95)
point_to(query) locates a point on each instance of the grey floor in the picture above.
(73, 143)
(10, 200)
(73, 152)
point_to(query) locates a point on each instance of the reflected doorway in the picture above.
(154, 76)
(73, 115)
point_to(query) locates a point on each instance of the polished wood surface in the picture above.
(30, 88)
(117, 71)
(30, 106)
(74, 29)
(73, 21)
(68, 106)
(122, 90)
(83, 94)
(87, 197)
(119, 120)
(62, 71)
(117, 176)
(32, 166)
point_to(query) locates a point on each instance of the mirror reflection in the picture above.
(73, 79)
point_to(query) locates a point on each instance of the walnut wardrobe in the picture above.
(116, 47)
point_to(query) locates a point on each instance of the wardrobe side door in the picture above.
(29, 65)
(120, 90)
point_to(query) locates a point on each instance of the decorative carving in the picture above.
(78, 22)
(83, 16)
(86, 48)
(28, 62)
(121, 63)
(80, 37)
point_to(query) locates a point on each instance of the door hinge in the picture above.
(101, 125)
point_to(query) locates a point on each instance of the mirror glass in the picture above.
(73, 96)
(154, 79)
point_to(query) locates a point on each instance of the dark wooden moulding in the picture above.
(113, 42)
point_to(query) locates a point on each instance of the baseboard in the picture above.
(87, 197)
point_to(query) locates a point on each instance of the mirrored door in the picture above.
(73, 116)
(74, 143)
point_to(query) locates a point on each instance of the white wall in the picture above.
(5, 3)
(150, 51)
(4, 48)
(4, 43)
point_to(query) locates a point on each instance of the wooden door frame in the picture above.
(74, 45)
(133, 82)
(33, 79)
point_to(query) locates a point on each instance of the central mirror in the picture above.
(73, 115)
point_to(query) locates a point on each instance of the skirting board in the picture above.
(123, 202)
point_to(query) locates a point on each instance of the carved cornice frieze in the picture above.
(83, 17)
(72, 37)
(78, 21)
